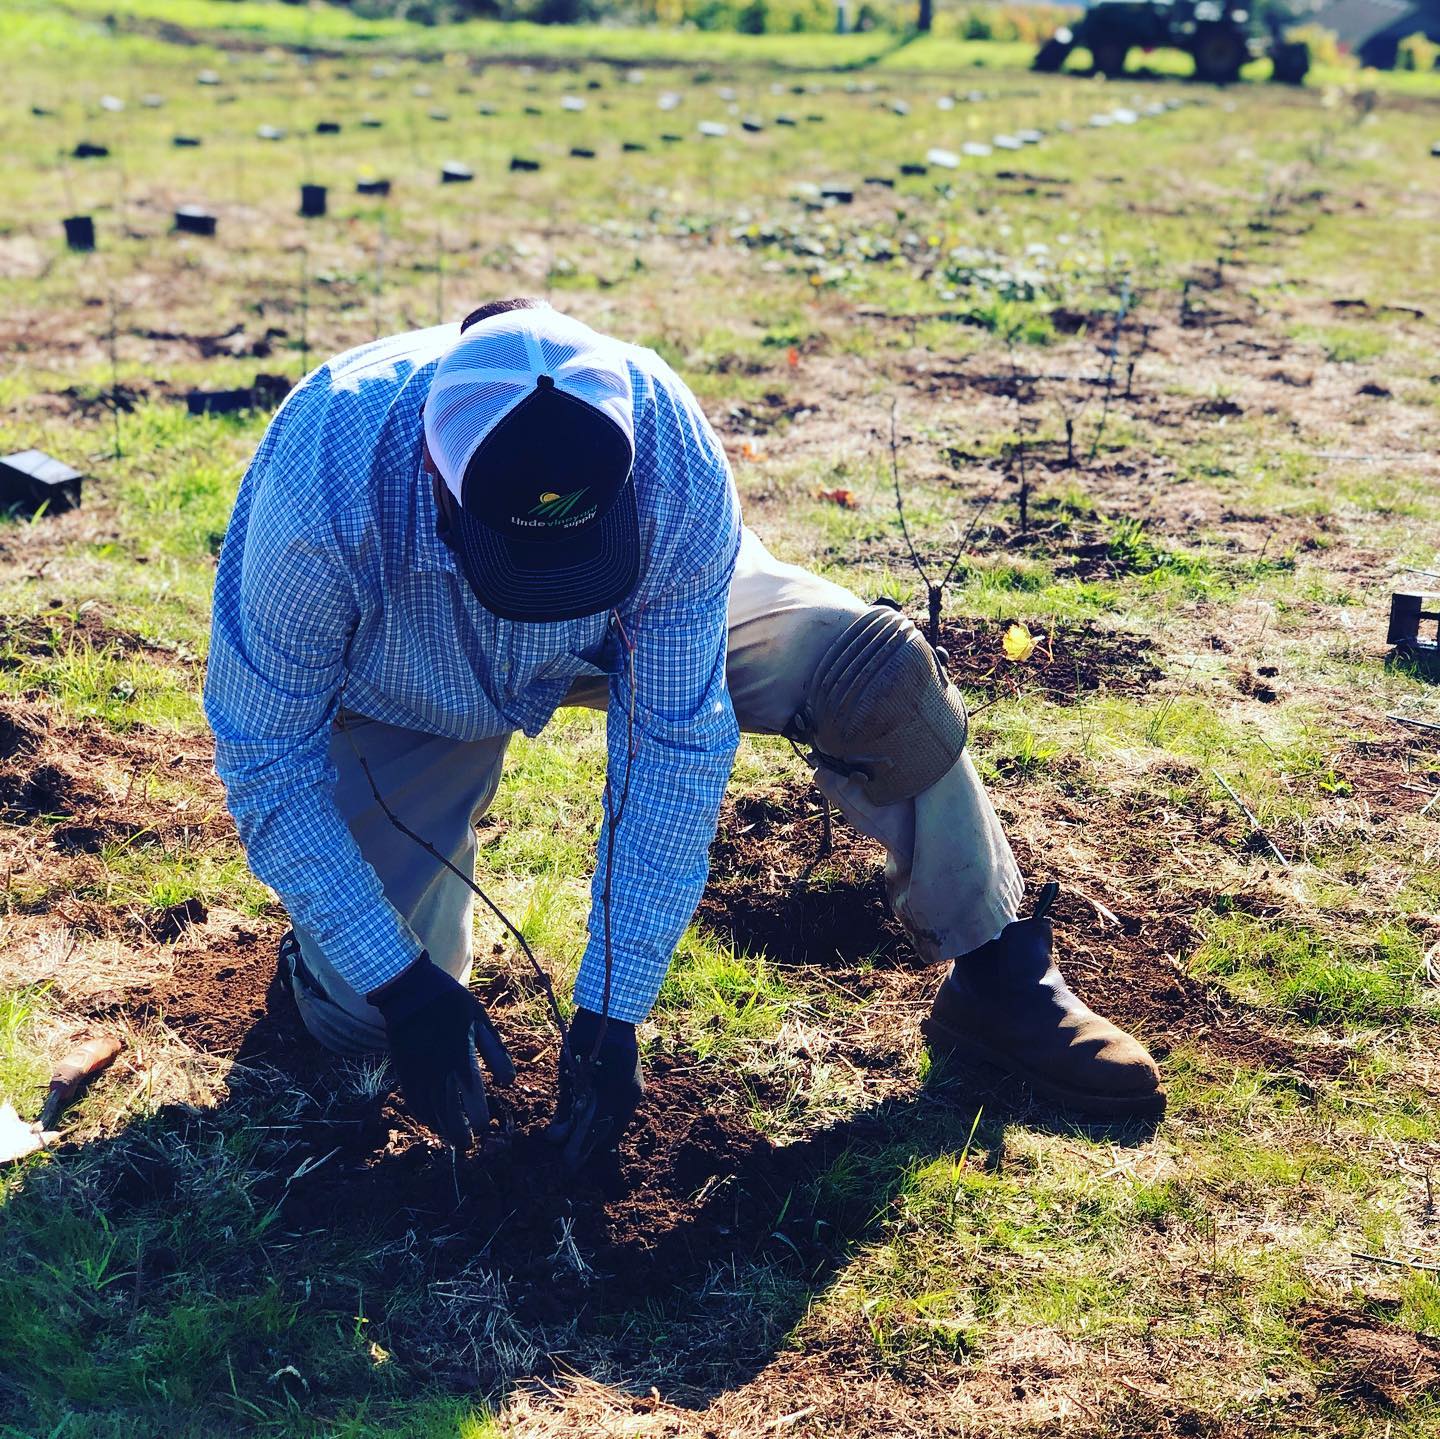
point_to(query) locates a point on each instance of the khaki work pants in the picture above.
(951, 876)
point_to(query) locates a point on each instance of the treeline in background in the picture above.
(1027, 24)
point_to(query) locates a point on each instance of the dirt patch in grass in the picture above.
(30, 784)
(71, 790)
(771, 892)
(77, 765)
(695, 1189)
(38, 636)
(1393, 778)
(92, 400)
(76, 793)
(1367, 1360)
(1070, 661)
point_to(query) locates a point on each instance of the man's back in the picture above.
(335, 590)
(339, 479)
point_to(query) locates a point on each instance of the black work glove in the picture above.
(435, 1025)
(598, 1100)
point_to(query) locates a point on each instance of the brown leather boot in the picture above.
(1007, 1003)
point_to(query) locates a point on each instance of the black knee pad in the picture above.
(880, 707)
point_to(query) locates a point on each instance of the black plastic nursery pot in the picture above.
(312, 201)
(194, 220)
(30, 479)
(79, 232)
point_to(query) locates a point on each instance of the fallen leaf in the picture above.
(1018, 644)
(751, 452)
(792, 357)
(844, 498)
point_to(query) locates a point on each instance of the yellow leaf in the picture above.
(1018, 644)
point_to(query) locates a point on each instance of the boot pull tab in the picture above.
(1047, 897)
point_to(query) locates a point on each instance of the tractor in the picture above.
(1221, 36)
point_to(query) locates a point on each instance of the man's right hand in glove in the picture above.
(434, 1026)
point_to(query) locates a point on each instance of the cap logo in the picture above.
(553, 507)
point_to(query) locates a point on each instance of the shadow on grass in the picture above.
(302, 1249)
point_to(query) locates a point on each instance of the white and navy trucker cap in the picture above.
(529, 421)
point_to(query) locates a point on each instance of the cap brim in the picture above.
(552, 579)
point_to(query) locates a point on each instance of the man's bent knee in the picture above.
(354, 1028)
(880, 707)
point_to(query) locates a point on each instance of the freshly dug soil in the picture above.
(694, 1187)
(1368, 1360)
(1070, 662)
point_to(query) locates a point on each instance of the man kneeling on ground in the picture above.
(447, 535)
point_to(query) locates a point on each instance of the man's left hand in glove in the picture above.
(434, 1026)
(592, 1114)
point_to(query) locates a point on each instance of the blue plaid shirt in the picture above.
(332, 580)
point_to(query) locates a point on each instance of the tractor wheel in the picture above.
(1051, 56)
(1290, 61)
(1109, 57)
(1219, 53)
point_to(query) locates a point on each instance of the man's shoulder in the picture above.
(652, 375)
(666, 402)
(370, 378)
(340, 422)
(391, 360)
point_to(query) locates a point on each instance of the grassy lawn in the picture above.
(1179, 359)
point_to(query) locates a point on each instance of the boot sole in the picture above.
(1147, 1105)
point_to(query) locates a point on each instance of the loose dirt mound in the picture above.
(1369, 1360)
(29, 785)
(696, 1187)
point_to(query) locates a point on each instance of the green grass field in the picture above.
(1183, 349)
